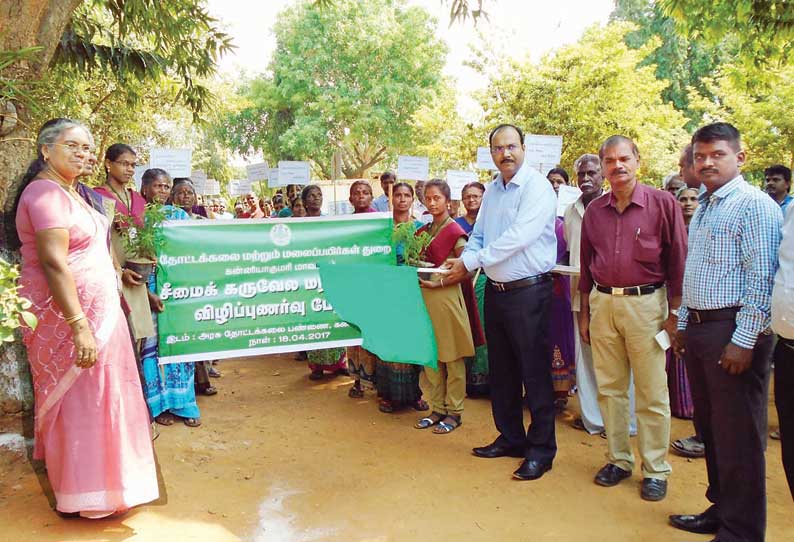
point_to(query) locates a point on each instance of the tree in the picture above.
(344, 80)
(588, 91)
(761, 112)
(681, 62)
(763, 29)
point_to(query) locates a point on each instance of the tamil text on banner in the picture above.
(246, 288)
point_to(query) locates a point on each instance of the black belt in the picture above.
(787, 342)
(699, 317)
(520, 283)
(630, 290)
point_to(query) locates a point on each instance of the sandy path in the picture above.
(282, 459)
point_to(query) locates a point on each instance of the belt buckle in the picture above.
(499, 286)
(618, 291)
(695, 316)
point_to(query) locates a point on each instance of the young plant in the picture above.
(13, 307)
(142, 242)
(413, 245)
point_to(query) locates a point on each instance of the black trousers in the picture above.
(517, 331)
(730, 413)
(784, 401)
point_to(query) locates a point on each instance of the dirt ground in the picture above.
(282, 459)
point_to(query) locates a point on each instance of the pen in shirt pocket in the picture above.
(637, 235)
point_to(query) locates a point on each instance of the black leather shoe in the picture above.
(531, 470)
(611, 475)
(497, 450)
(704, 523)
(653, 489)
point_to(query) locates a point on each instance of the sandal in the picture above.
(209, 390)
(420, 405)
(214, 373)
(445, 427)
(433, 419)
(385, 406)
(578, 423)
(166, 418)
(192, 422)
(355, 392)
(689, 447)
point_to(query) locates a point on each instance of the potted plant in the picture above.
(13, 308)
(142, 242)
(413, 245)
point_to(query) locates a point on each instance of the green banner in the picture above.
(243, 287)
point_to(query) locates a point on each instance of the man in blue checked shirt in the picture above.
(724, 334)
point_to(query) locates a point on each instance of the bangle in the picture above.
(76, 318)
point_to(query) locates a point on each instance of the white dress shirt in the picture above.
(573, 237)
(514, 237)
(783, 291)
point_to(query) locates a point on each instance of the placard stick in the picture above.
(390, 195)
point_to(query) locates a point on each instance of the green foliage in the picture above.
(681, 62)
(344, 79)
(147, 41)
(759, 106)
(413, 245)
(588, 91)
(143, 241)
(763, 29)
(12, 89)
(12, 306)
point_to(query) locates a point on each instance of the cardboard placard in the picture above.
(457, 179)
(566, 197)
(414, 168)
(175, 161)
(485, 159)
(544, 150)
(292, 172)
(257, 172)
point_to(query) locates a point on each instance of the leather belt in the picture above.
(520, 283)
(699, 317)
(630, 290)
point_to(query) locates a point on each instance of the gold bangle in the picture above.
(76, 318)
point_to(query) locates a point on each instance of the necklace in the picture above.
(67, 186)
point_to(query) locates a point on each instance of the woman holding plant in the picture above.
(455, 320)
(91, 423)
(169, 389)
(125, 207)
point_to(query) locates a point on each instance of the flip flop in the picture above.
(166, 418)
(192, 422)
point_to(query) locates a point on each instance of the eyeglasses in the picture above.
(75, 147)
(125, 164)
(499, 149)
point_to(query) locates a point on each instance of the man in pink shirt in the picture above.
(633, 250)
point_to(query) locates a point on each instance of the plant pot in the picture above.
(141, 266)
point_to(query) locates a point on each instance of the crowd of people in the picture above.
(682, 303)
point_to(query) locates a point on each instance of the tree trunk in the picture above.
(23, 23)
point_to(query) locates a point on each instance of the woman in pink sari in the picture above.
(91, 423)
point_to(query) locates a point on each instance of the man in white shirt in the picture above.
(783, 325)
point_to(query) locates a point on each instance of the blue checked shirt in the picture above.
(733, 244)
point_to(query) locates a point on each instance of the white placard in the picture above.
(292, 173)
(566, 197)
(175, 161)
(272, 177)
(485, 159)
(543, 149)
(138, 177)
(244, 186)
(199, 178)
(212, 188)
(413, 168)
(457, 179)
(257, 172)
(233, 184)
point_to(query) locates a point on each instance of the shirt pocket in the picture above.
(722, 246)
(646, 248)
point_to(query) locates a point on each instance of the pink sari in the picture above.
(91, 425)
